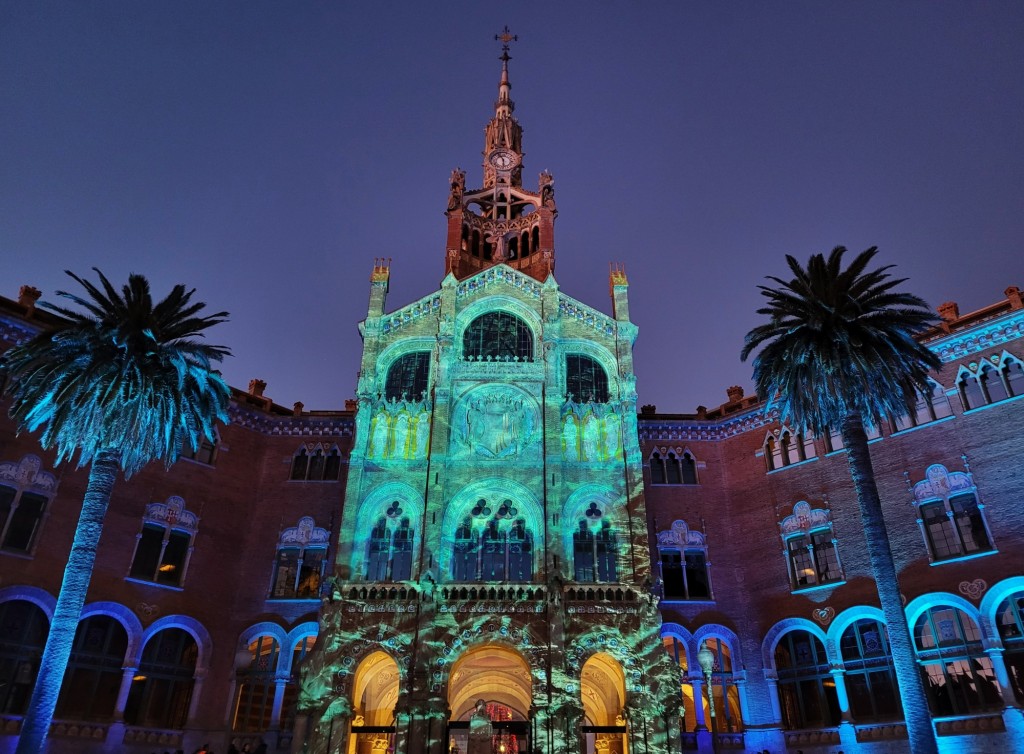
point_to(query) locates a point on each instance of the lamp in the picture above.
(706, 660)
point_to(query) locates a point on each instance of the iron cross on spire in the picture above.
(505, 38)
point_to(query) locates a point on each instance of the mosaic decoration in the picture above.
(823, 615)
(804, 519)
(973, 589)
(173, 513)
(27, 474)
(940, 483)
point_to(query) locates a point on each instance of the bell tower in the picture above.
(501, 223)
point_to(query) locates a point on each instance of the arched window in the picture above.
(684, 564)
(497, 336)
(991, 381)
(971, 392)
(493, 555)
(807, 691)
(314, 464)
(498, 548)
(1010, 623)
(689, 467)
(929, 408)
(164, 546)
(772, 453)
(959, 677)
(951, 517)
(834, 439)
(810, 543)
(390, 549)
(685, 574)
(94, 673)
(464, 555)
(1013, 375)
(23, 630)
(162, 689)
(300, 651)
(673, 474)
(870, 677)
(585, 379)
(595, 555)
(301, 560)
(24, 496)
(723, 688)
(206, 452)
(408, 376)
(657, 469)
(677, 651)
(21, 512)
(584, 555)
(520, 553)
(607, 553)
(254, 701)
(813, 559)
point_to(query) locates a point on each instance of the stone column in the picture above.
(839, 677)
(122, 695)
(699, 704)
(280, 684)
(772, 681)
(197, 694)
(741, 690)
(995, 654)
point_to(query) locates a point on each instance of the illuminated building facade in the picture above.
(492, 547)
(495, 541)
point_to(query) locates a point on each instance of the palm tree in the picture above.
(839, 351)
(121, 382)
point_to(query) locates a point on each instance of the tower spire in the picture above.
(504, 106)
(502, 222)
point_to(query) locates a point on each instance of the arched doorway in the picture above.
(490, 695)
(374, 696)
(603, 691)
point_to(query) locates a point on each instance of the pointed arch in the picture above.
(494, 500)
(394, 502)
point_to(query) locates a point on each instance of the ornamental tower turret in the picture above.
(501, 222)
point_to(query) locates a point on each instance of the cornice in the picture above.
(292, 426)
(994, 332)
(570, 307)
(16, 330)
(657, 429)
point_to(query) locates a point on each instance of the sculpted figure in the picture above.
(379, 436)
(591, 439)
(570, 438)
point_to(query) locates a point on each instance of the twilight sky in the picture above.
(266, 152)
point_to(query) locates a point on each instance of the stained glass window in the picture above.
(497, 336)
(162, 688)
(408, 376)
(870, 676)
(807, 691)
(585, 379)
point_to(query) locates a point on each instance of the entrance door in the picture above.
(490, 694)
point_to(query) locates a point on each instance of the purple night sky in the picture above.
(265, 153)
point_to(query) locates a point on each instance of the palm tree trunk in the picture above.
(904, 657)
(77, 575)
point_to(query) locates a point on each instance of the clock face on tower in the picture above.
(503, 159)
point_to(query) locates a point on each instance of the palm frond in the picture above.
(121, 374)
(840, 341)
